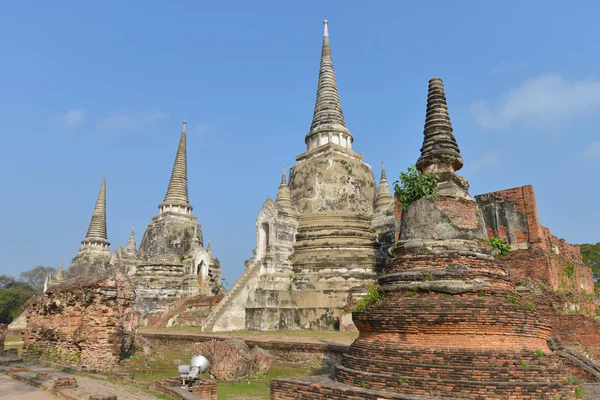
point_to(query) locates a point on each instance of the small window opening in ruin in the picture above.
(201, 268)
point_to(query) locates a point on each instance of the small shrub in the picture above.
(512, 299)
(427, 277)
(423, 251)
(374, 297)
(499, 245)
(290, 258)
(523, 365)
(570, 269)
(539, 353)
(579, 392)
(414, 185)
(481, 293)
(400, 381)
(528, 305)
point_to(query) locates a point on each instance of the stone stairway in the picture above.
(227, 302)
(581, 361)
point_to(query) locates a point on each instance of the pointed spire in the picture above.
(384, 194)
(328, 116)
(383, 172)
(440, 152)
(209, 249)
(131, 243)
(177, 193)
(283, 176)
(97, 230)
(195, 244)
(60, 273)
(284, 198)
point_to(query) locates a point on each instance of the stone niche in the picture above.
(88, 321)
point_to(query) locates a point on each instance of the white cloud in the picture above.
(542, 101)
(592, 150)
(134, 119)
(72, 117)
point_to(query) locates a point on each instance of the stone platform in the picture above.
(321, 387)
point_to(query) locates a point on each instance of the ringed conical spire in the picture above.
(131, 244)
(440, 152)
(328, 116)
(59, 273)
(384, 193)
(177, 192)
(97, 230)
(284, 197)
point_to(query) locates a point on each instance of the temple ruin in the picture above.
(323, 238)
(172, 262)
(451, 323)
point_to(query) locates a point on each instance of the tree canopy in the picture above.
(36, 276)
(591, 257)
(15, 293)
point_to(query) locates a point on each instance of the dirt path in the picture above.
(16, 390)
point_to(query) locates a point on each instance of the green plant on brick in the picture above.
(579, 392)
(373, 297)
(523, 365)
(528, 305)
(570, 269)
(539, 353)
(499, 245)
(414, 185)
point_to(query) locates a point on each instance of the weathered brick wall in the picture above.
(292, 351)
(87, 322)
(571, 316)
(511, 215)
(184, 312)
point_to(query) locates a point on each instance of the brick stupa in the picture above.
(451, 324)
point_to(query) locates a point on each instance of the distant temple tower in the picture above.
(317, 243)
(171, 261)
(94, 253)
(171, 231)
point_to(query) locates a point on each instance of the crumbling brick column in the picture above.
(206, 390)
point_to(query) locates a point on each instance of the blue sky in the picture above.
(91, 88)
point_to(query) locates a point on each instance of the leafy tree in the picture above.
(591, 257)
(13, 295)
(414, 185)
(36, 276)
